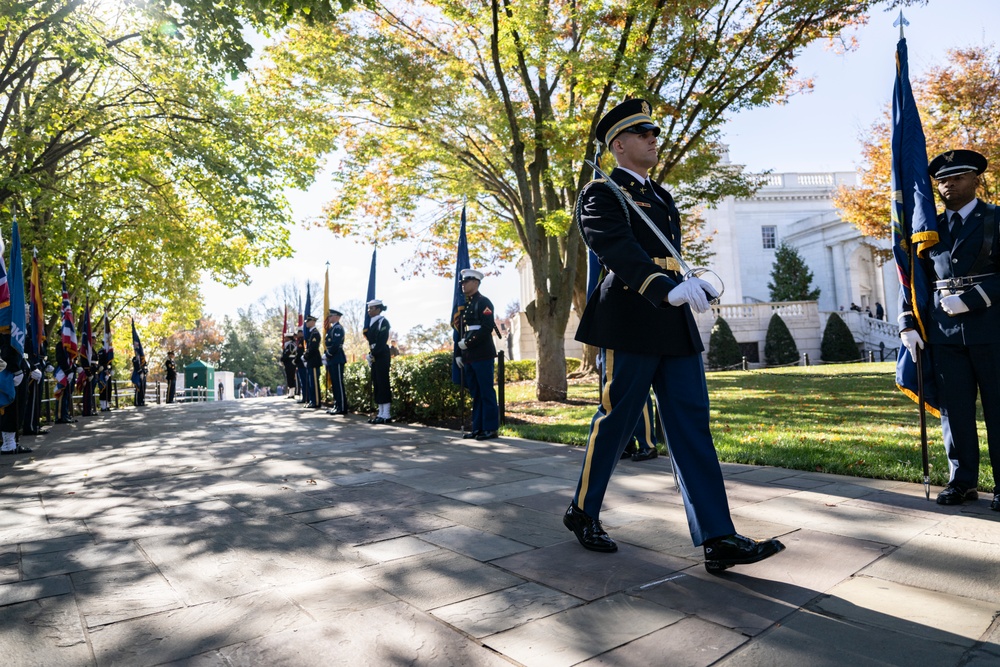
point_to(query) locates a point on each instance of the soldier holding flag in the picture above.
(31, 422)
(12, 331)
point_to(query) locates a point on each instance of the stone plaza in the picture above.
(253, 532)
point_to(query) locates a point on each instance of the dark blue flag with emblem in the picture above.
(371, 293)
(458, 301)
(12, 318)
(309, 303)
(914, 226)
(137, 346)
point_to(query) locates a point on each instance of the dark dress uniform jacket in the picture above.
(477, 327)
(171, 369)
(314, 359)
(627, 312)
(954, 258)
(378, 339)
(335, 345)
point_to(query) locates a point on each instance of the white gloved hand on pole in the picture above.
(694, 292)
(912, 342)
(36, 374)
(462, 345)
(459, 362)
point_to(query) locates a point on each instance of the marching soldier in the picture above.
(476, 356)
(335, 360)
(379, 359)
(962, 332)
(288, 363)
(314, 362)
(641, 315)
(171, 370)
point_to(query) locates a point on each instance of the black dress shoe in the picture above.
(724, 552)
(371, 420)
(955, 495)
(995, 505)
(64, 421)
(646, 455)
(382, 420)
(588, 531)
(487, 435)
(629, 452)
(470, 435)
(17, 450)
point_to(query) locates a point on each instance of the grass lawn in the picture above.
(847, 419)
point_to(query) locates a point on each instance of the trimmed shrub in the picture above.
(779, 346)
(838, 341)
(518, 371)
(421, 387)
(723, 350)
(572, 365)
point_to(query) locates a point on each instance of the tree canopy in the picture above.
(791, 278)
(497, 103)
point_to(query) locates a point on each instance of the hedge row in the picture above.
(422, 389)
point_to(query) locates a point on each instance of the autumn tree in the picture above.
(497, 102)
(957, 111)
(791, 278)
(133, 164)
(202, 341)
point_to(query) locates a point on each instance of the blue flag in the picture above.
(914, 226)
(308, 310)
(12, 313)
(371, 292)
(458, 301)
(137, 345)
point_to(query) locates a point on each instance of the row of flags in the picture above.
(27, 334)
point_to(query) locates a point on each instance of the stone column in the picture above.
(841, 277)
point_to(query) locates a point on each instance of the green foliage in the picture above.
(422, 389)
(723, 349)
(572, 365)
(790, 277)
(519, 371)
(252, 349)
(779, 346)
(838, 341)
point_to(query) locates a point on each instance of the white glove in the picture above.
(18, 376)
(462, 345)
(693, 291)
(49, 369)
(953, 305)
(459, 362)
(3, 364)
(36, 374)
(912, 341)
(370, 358)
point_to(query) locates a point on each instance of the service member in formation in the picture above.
(964, 322)
(88, 373)
(31, 418)
(301, 377)
(105, 379)
(288, 363)
(64, 404)
(641, 315)
(139, 382)
(13, 364)
(335, 360)
(379, 359)
(476, 356)
(314, 362)
(170, 368)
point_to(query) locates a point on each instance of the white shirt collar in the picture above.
(641, 179)
(965, 211)
(374, 320)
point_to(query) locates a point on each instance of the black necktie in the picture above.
(956, 226)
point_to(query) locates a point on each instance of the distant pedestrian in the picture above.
(879, 311)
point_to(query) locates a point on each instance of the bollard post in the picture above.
(871, 356)
(746, 366)
(500, 389)
(157, 392)
(805, 358)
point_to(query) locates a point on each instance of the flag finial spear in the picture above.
(901, 21)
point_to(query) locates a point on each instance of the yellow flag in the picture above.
(326, 304)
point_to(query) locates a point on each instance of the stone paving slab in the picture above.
(255, 533)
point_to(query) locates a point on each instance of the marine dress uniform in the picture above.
(335, 361)
(648, 342)
(965, 342)
(478, 354)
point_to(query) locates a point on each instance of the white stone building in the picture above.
(796, 209)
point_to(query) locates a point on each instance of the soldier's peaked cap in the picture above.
(334, 311)
(629, 116)
(957, 162)
(471, 274)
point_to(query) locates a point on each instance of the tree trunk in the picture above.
(550, 378)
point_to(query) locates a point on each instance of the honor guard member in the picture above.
(288, 363)
(139, 381)
(171, 370)
(335, 361)
(14, 365)
(87, 369)
(31, 419)
(964, 322)
(64, 405)
(641, 315)
(476, 356)
(314, 362)
(379, 358)
(105, 376)
(300, 364)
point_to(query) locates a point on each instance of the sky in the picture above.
(814, 132)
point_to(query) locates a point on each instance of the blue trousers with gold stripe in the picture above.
(681, 392)
(645, 433)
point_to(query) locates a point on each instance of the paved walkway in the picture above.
(257, 533)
